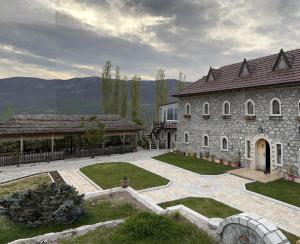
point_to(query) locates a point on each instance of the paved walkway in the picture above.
(13, 172)
(74, 178)
(227, 188)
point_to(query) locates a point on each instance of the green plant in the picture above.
(291, 170)
(212, 157)
(48, 203)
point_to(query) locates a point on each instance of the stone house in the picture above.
(247, 111)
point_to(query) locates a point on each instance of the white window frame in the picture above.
(225, 150)
(205, 135)
(188, 137)
(271, 107)
(276, 159)
(246, 149)
(224, 108)
(246, 107)
(206, 103)
(185, 109)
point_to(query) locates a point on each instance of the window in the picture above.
(282, 64)
(188, 109)
(226, 108)
(175, 113)
(186, 137)
(170, 115)
(206, 109)
(175, 137)
(245, 71)
(210, 77)
(279, 154)
(205, 141)
(224, 144)
(275, 107)
(248, 149)
(250, 107)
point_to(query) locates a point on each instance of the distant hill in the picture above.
(73, 96)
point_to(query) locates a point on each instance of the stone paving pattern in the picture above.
(226, 188)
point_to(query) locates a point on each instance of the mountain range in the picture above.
(73, 96)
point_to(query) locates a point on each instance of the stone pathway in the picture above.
(79, 181)
(225, 188)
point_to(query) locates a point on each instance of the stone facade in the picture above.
(237, 128)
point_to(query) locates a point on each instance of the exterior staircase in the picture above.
(153, 144)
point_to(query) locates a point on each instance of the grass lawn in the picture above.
(109, 175)
(23, 184)
(160, 229)
(97, 211)
(282, 190)
(196, 165)
(205, 206)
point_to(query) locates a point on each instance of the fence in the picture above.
(27, 158)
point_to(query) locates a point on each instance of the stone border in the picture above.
(156, 187)
(271, 199)
(67, 234)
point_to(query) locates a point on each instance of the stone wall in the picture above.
(237, 129)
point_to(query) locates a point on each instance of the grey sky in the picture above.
(68, 38)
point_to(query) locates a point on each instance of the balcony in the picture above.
(166, 125)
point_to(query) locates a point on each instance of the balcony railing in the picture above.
(166, 125)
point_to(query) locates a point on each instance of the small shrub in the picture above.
(48, 203)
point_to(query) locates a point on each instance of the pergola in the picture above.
(24, 128)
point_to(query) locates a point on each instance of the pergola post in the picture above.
(52, 143)
(21, 147)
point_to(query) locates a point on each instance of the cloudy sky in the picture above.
(68, 38)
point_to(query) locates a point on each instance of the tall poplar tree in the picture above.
(116, 93)
(106, 88)
(181, 81)
(123, 97)
(161, 91)
(136, 98)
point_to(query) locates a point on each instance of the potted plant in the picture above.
(125, 182)
(221, 160)
(212, 158)
(291, 172)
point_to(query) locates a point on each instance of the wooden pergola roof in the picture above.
(44, 124)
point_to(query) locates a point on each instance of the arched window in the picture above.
(206, 109)
(224, 143)
(186, 137)
(226, 108)
(275, 107)
(250, 107)
(187, 109)
(205, 141)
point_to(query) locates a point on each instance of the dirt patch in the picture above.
(56, 177)
(124, 196)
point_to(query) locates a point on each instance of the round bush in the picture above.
(48, 203)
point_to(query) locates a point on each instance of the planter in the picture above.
(291, 178)
(221, 161)
(124, 183)
(187, 116)
(236, 164)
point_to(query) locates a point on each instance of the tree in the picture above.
(8, 113)
(161, 91)
(116, 95)
(181, 81)
(123, 97)
(94, 130)
(107, 88)
(135, 98)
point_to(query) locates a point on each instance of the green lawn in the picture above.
(282, 190)
(24, 184)
(171, 230)
(196, 165)
(97, 211)
(205, 206)
(109, 175)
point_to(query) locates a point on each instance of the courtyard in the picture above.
(166, 183)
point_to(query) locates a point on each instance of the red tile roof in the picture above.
(262, 75)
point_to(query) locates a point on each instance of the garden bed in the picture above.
(109, 207)
(109, 175)
(281, 190)
(193, 164)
